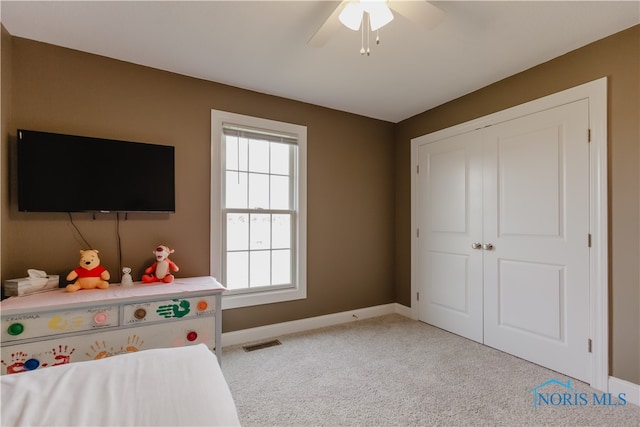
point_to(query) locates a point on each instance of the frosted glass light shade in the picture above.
(379, 13)
(351, 15)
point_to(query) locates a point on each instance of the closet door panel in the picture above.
(449, 222)
(530, 183)
(536, 216)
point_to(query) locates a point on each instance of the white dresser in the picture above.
(58, 327)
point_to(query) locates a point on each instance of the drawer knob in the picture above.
(202, 305)
(140, 313)
(100, 317)
(192, 336)
(15, 329)
(31, 364)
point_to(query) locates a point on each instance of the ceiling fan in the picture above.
(351, 14)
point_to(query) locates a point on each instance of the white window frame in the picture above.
(262, 295)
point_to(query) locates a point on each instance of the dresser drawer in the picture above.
(19, 357)
(34, 325)
(167, 310)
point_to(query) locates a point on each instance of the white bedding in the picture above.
(181, 386)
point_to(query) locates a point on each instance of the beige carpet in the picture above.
(393, 371)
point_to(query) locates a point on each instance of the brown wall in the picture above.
(616, 57)
(5, 114)
(350, 239)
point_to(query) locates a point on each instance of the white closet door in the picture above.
(536, 216)
(449, 217)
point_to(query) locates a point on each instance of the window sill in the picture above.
(264, 297)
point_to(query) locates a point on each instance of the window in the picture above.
(258, 209)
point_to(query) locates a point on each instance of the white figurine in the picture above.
(127, 280)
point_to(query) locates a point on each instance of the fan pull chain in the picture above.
(368, 34)
(362, 37)
(366, 22)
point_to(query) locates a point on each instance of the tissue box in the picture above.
(27, 286)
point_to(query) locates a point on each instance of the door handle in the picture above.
(488, 246)
(476, 245)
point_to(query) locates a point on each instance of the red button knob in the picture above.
(192, 336)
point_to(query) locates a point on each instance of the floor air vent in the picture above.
(261, 345)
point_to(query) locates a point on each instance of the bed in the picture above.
(182, 386)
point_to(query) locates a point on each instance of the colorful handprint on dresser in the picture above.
(134, 342)
(100, 350)
(174, 310)
(62, 356)
(16, 364)
(65, 323)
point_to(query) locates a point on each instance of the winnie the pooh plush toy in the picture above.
(160, 271)
(90, 274)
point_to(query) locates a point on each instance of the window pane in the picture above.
(259, 156)
(236, 190)
(280, 158)
(279, 192)
(281, 267)
(281, 232)
(237, 232)
(258, 191)
(231, 151)
(260, 232)
(236, 153)
(260, 268)
(237, 270)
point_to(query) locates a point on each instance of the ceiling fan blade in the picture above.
(328, 27)
(424, 14)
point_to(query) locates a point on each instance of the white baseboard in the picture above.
(403, 310)
(271, 331)
(632, 391)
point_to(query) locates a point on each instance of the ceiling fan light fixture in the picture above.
(351, 15)
(379, 13)
(367, 16)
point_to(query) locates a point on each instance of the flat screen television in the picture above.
(67, 173)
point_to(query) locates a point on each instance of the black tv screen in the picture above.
(67, 173)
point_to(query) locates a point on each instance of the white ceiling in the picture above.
(262, 45)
